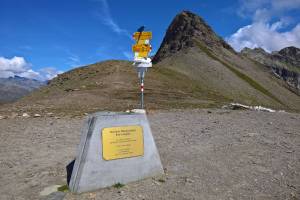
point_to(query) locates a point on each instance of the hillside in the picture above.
(208, 60)
(113, 85)
(194, 68)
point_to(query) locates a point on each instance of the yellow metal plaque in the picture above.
(122, 142)
(142, 36)
(141, 48)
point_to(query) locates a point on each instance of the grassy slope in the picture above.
(113, 85)
(197, 78)
(233, 77)
(238, 73)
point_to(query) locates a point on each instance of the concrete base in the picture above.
(92, 172)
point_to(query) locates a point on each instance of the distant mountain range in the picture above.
(193, 68)
(284, 64)
(13, 88)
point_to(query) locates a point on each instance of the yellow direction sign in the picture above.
(141, 48)
(142, 42)
(142, 35)
(122, 142)
(141, 54)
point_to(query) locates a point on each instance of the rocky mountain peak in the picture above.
(256, 52)
(185, 29)
(286, 56)
(292, 53)
(285, 63)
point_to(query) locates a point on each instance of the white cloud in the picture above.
(49, 72)
(107, 19)
(250, 8)
(264, 32)
(73, 60)
(30, 74)
(283, 5)
(15, 65)
(128, 55)
(264, 35)
(247, 7)
(18, 66)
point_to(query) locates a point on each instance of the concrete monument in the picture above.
(114, 148)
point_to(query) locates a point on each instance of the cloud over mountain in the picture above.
(18, 66)
(272, 28)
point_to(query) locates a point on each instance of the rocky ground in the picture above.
(207, 154)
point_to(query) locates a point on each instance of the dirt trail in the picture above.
(214, 154)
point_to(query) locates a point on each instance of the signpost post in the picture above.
(141, 60)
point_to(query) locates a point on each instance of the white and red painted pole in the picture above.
(142, 90)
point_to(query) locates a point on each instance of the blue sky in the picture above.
(40, 38)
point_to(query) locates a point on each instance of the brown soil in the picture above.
(216, 154)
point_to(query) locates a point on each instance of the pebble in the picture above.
(121, 192)
(156, 182)
(188, 180)
(25, 115)
(48, 190)
(2, 117)
(36, 115)
(92, 195)
(50, 114)
(250, 134)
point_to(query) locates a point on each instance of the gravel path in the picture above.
(216, 154)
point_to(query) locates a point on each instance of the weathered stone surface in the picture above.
(91, 171)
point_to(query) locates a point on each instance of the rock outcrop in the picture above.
(285, 64)
(185, 29)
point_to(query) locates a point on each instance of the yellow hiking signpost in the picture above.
(142, 47)
(141, 50)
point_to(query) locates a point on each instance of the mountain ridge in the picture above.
(284, 64)
(13, 88)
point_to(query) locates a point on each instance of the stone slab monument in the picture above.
(117, 147)
(114, 148)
